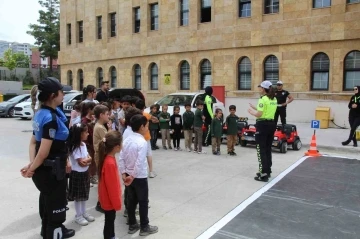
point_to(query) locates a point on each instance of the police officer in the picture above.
(48, 159)
(354, 116)
(283, 98)
(208, 114)
(265, 128)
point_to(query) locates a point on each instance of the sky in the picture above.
(15, 17)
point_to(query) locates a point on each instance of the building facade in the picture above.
(162, 47)
(15, 47)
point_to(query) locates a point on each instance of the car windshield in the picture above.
(172, 100)
(69, 97)
(16, 98)
(28, 100)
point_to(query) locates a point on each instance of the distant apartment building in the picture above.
(21, 47)
(4, 46)
(41, 62)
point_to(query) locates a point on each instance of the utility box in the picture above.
(323, 115)
(357, 135)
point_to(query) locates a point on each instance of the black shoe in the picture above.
(157, 147)
(233, 153)
(262, 177)
(258, 175)
(99, 208)
(148, 230)
(215, 153)
(133, 228)
(164, 147)
(153, 148)
(67, 233)
(346, 142)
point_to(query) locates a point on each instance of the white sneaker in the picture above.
(81, 221)
(152, 175)
(189, 149)
(88, 217)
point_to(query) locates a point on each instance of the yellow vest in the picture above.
(267, 106)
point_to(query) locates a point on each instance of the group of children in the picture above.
(95, 145)
(190, 123)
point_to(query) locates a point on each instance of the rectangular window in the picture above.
(113, 24)
(353, 1)
(321, 3)
(137, 19)
(244, 8)
(99, 27)
(81, 31)
(184, 12)
(205, 11)
(271, 6)
(320, 81)
(69, 33)
(154, 16)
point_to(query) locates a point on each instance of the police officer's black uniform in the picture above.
(281, 96)
(50, 178)
(354, 116)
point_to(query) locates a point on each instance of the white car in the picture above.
(24, 110)
(181, 99)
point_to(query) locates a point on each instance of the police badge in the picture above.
(52, 133)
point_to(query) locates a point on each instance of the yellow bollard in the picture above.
(1, 98)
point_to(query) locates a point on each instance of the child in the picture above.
(188, 126)
(232, 130)
(115, 114)
(102, 116)
(125, 104)
(79, 185)
(133, 167)
(154, 126)
(75, 115)
(87, 118)
(216, 131)
(109, 185)
(164, 118)
(198, 123)
(176, 126)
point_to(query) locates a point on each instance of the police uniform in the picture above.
(264, 136)
(281, 96)
(209, 115)
(49, 178)
(354, 117)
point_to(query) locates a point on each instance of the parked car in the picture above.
(69, 100)
(7, 107)
(24, 110)
(181, 99)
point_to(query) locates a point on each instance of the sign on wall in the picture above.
(167, 79)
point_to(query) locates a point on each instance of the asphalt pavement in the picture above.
(189, 195)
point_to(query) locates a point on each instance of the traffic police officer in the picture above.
(208, 114)
(282, 96)
(265, 128)
(354, 116)
(48, 159)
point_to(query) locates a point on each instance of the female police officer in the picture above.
(265, 128)
(48, 156)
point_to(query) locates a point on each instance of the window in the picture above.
(137, 77)
(320, 65)
(271, 72)
(81, 31)
(69, 33)
(184, 12)
(137, 19)
(185, 76)
(113, 24)
(80, 77)
(244, 8)
(321, 3)
(205, 74)
(353, 1)
(271, 6)
(99, 75)
(244, 74)
(154, 77)
(113, 77)
(352, 70)
(99, 27)
(205, 11)
(69, 78)
(154, 16)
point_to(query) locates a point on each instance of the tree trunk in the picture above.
(51, 66)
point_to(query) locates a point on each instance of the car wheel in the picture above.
(11, 112)
(283, 147)
(297, 145)
(23, 118)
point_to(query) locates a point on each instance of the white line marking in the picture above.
(228, 217)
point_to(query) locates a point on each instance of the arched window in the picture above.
(320, 65)
(80, 78)
(154, 77)
(113, 77)
(352, 70)
(137, 77)
(205, 74)
(99, 76)
(244, 74)
(271, 72)
(185, 76)
(69, 78)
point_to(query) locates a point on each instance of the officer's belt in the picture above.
(257, 120)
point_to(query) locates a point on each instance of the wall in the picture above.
(11, 87)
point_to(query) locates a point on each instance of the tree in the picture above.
(47, 32)
(12, 60)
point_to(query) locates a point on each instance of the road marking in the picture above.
(228, 217)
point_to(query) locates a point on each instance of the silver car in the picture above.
(7, 107)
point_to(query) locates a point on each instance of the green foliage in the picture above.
(12, 60)
(47, 32)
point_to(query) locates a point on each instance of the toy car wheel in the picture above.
(297, 144)
(243, 143)
(283, 147)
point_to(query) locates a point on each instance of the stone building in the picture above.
(313, 46)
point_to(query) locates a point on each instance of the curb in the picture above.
(345, 149)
